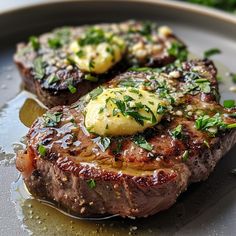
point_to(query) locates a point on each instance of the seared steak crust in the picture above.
(145, 37)
(81, 176)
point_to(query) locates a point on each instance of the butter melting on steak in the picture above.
(90, 175)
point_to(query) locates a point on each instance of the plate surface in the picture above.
(207, 208)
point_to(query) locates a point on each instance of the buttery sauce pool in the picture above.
(45, 218)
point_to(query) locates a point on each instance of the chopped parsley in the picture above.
(146, 29)
(52, 79)
(91, 64)
(42, 150)
(211, 52)
(204, 85)
(140, 141)
(63, 34)
(161, 109)
(93, 36)
(194, 83)
(210, 124)
(185, 155)
(177, 132)
(96, 92)
(229, 103)
(39, 70)
(178, 50)
(72, 88)
(233, 77)
(34, 42)
(140, 69)
(102, 142)
(80, 53)
(91, 183)
(231, 126)
(126, 110)
(52, 119)
(54, 43)
(90, 77)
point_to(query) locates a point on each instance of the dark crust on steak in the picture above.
(58, 93)
(140, 183)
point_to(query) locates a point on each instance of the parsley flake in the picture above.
(39, 70)
(34, 42)
(229, 103)
(72, 88)
(178, 50)
(42, 150)
(96, 92)
(140, 141)
(54, 43)
(91, 183)
(185, 155)
(52, 119)
(52, 79)
(177, 132)
(102, 142)
(211, 52)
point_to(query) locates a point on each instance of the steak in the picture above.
(88, 175)
(47, 57)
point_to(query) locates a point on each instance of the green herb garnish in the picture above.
(146, 29)
(140, 141)
(211, 52)
(140, 69)
(185, 155)
(161, 109)
(42, 150)
(96, 92)
(54, 43)
(102, 142)
(231, 126)
(229, 103)
(72, 89)
(80, 53)
(178, 50)
(34, 42)
(91, 183)
(52, 79)
(93, 36)
(233, 77)
(210, 124)
(91, 78)
(52, 119)
(39, 70)
(91, 64)
(63, 34)
(177, 132)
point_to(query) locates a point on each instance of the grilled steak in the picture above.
(48, 69)
(137, 175)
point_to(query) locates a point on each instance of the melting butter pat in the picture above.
(123, 111)
(97, 51)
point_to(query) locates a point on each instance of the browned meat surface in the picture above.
(89, 175)
(48, 70)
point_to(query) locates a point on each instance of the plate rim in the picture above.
(201, 10)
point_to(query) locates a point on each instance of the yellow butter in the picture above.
(104, 117)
